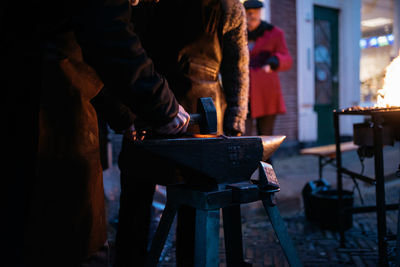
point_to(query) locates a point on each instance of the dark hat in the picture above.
(248, 4)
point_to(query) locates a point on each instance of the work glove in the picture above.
(177, 126)
(232, 133)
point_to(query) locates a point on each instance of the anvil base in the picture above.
(208, 205)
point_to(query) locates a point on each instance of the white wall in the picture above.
(396, 29)
(307, 118)
(349, 63)
(266, 14)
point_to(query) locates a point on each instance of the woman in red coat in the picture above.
(268, 55)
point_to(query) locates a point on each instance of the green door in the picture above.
(326, 57)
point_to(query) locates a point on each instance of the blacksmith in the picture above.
(57, 59)
(201, 48)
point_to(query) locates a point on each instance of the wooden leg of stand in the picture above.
(206, 251)
(281, 232)
(398, 238)
(233, 236)
(161, 234)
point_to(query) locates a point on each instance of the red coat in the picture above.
(265, 89)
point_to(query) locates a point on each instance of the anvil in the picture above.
(236, 165)
(224, 159)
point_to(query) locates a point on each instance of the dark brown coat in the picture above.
(201, 48)
(74, 49)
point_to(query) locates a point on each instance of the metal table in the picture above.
(377, 119)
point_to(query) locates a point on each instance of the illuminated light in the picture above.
(377, 41)
(204, 135)
(389, 95)
(363, 43)
(383, 41)
(245, 0)
(376, 22)
(373, 42)
(390, 38)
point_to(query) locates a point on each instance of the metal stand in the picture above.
(208, 205)
(397, 258)
(378, 181)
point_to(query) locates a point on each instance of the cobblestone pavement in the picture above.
(315, 246)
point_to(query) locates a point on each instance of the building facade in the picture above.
(331, 61)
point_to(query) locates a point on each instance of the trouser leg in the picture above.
(250, 127)
(265, 125)
(100, 258)
(185, 236)
(134, 217)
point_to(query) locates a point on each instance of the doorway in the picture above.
(326, 62)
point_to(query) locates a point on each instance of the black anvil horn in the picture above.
(224, 159)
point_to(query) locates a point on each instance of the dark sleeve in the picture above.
(111, 109)
(110, 46)
(235, 68)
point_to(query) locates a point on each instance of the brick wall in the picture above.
(283, 15)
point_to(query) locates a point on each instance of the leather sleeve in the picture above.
(110, 46)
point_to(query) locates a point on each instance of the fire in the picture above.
(389, 95)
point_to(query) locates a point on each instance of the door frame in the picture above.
(325, 131)
(349, 63)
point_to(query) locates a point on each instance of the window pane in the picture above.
(377, 44)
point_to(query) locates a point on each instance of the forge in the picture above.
(381, 127)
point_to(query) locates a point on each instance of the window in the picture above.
(378, 27)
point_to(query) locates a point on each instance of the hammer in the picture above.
(206, 116)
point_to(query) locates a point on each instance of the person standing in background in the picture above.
(268, 56)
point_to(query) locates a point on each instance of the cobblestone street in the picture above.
(315, 246)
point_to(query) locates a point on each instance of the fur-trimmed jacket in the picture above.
(201, 48)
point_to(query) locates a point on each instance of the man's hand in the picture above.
(136, 2)
(132, 134)
(232, 133)
(178, 125)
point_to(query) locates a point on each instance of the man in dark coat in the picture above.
(57, 61)
(201, 48)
